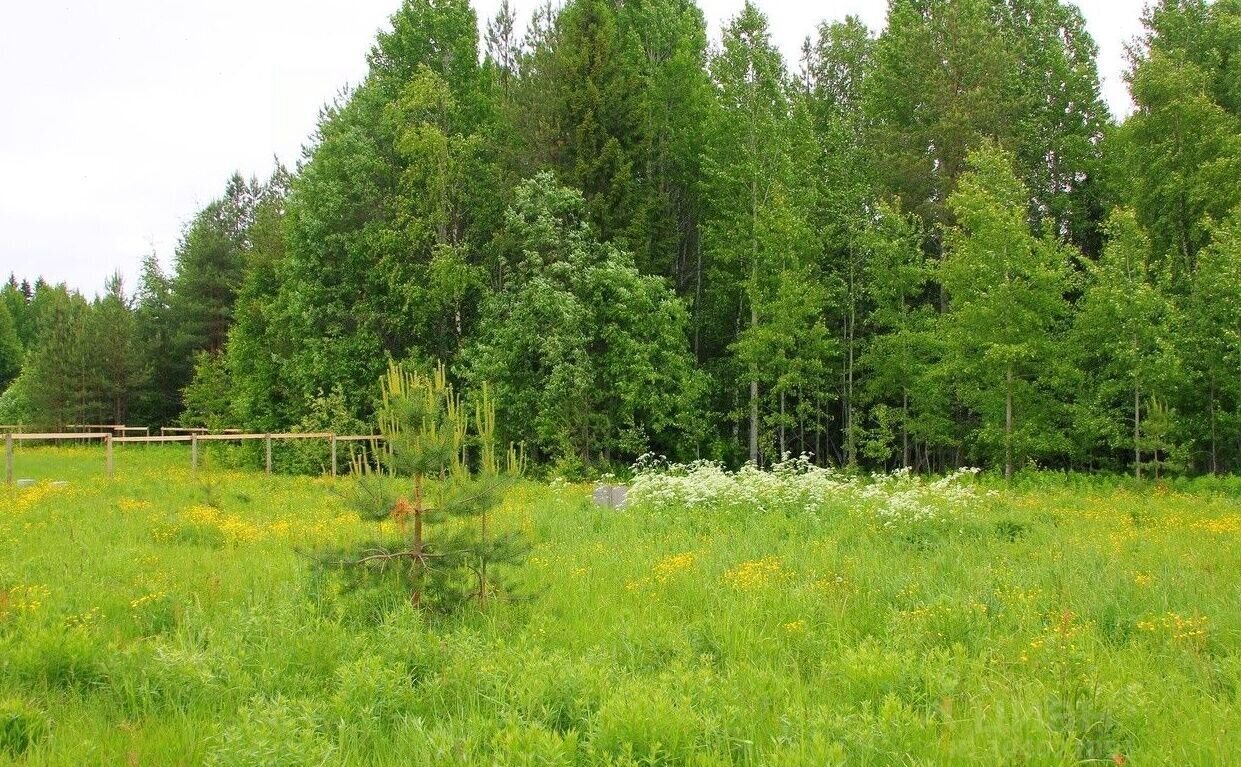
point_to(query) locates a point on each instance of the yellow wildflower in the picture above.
(670, 566)
(756, 574)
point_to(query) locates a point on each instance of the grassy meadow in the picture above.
(163, 618)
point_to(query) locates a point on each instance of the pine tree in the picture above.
(115, 353)
(57, 368)
(10, 348)
(158, 402)
(426, 432)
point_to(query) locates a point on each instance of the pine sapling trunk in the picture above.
(482, 564)
(417, 542)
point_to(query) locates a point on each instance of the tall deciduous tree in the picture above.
(836, 71)
(756, 228)
(586, 357)
(1123, 337)
(1212, 344)
(1181, 150)
(1007, 307)
(896, 357)
(380, 225)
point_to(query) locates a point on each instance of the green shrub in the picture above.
(22, 726)
(272, 733)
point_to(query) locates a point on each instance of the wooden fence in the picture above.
(177, 435)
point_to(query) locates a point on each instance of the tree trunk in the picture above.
(1214, 448)
(754, 389)
(1137, 431)
(1008, 425)
(783, 448)
(698, 301)
(850, 443)
(754, 418)
(905, 428)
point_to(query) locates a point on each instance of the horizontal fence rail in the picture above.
(115, 429)
(178, 435)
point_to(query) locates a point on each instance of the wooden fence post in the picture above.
(8, 459)
(194, 452)
(267, 440)
(107, 449)
(333, 456)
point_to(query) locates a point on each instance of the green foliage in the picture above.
(256, 352)
(15, 407)
(158, 403)
(1182, 148)
(208, 397)
(585, 356)
(898, 357)
(328, 414)
(209, 266)
(1007, 307)
(1123, 333)
(22, 727)
(277, 732)
(57, 369)
(10, 347)
(644, 245)
(442, 558)
(760, 246)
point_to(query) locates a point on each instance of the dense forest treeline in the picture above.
(928, 247)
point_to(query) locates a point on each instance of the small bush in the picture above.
(22, 727)
(272, 733)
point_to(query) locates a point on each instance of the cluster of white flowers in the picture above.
(796, 484)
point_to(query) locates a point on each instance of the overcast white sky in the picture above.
(121, 118)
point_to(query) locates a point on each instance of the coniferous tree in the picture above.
(256, 351)
(158, 402)
(208, 273)
(55, 377)
(116, 361)
(10, 348)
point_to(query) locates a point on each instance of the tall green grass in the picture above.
(164, 618)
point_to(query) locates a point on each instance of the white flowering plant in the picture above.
(897, 500)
